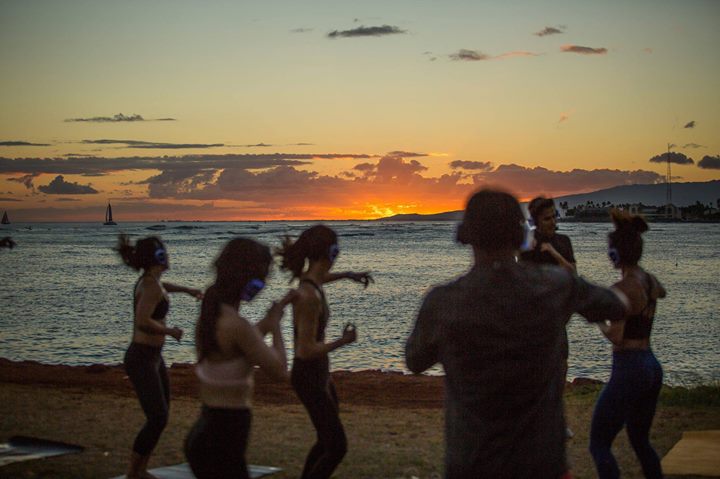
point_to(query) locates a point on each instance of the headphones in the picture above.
(251, 289)
(160, 256)
(528, 236)
(614, 256)
(333, 252)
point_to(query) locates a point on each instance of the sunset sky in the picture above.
(233, 110)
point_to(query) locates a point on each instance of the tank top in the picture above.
(160, 311)
(638, 326)
(323, 316)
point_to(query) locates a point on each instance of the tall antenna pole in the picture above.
(668, 180)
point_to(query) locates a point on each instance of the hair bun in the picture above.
(628, 223)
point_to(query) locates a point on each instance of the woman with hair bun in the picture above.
(143, 359)
(630, 396)
(228, 347)
(310, 377)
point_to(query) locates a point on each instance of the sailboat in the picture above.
(108, 216)
(5, 219)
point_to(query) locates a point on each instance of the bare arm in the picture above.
(422, 347)
(363, 277)
(149, 297)
(249, 340)
(174, 288)
(275, 313)
(561, 261)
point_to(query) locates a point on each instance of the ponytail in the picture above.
(313, 244)
(127, 251)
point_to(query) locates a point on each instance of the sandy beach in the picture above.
(394, 422)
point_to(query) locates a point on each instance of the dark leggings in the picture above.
(629, 399)
(215, 446)
(312, 384)
(146, 369)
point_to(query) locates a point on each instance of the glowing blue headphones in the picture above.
(529, 230)
(160, 256)
(251, 289)
(333, 252)
(614, 256)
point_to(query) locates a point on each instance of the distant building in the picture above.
(666, 212)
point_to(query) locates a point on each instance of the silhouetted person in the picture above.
(228, 347)
(143, 359)
(551, 248)
(310, 377)
(7, 242)
(496, 330)
(630, 397)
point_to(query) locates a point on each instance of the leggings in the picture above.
(215, 446)
(629, 399)
(146, 369)
(311, 382)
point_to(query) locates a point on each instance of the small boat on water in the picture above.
(5, 219)
(108, 216)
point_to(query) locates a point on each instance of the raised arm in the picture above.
(363, 278)
(249, 340)
(596, 303)
(149, 297)
(422, 347)
(174, 288)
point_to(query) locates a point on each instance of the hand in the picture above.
(547, 247)
(289, 297)
(363, 278)
(176, 333)
(349, 334)
(195, 293)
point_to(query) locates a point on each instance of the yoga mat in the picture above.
(22, 448)
(696, 453)
(182, 471)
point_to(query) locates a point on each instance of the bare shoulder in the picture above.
(148, 285)
(306, 295)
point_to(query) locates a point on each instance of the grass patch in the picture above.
(691, 397)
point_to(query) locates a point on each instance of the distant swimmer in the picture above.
(310, 377)
(630, 397)
(228, 348)
(7, 242)
(143, 359)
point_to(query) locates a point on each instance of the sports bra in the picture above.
(324, 315)
(638, 326)
(161, 309)
(227, 383)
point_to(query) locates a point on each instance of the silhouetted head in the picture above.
(544, 216)
(241, 270)
(492, 221)
(318, 243)
(625, 244)
(144, 254)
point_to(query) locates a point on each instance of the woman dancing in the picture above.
(143, 359)
(228, 347)
(310, 375)
(630, 397)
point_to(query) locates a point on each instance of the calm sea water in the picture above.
(65, 297)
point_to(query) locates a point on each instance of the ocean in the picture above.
(66, 298)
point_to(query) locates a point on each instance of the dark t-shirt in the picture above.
(561, 243)
(496, 331)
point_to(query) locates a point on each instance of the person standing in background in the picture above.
(143, 359)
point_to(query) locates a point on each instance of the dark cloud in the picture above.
(710, 162)
(59, 186)
(406, 154)
(119, 118)
(471, 165)
(673, 157)
(693, 145)
(91, 165)
(66, 199)
(10, 199)
(21, 143)
(364, 31)
(469, 56)
(301, 30)
(26, 180)
(151, 144)
(690, 124)
(549, 31)
(583, 50)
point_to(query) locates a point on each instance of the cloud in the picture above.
(150, 144)
(710, 162)
(10, 199)
(583, 50)
(471, 165)
(565, 116)
(673, 157)
(693, 145)
(119, 118)
(21, 143)
(549, 31)
(59, 186)
(406, 154)
(647, 50)
(26, 180)
(364, 31)
(516, 54)
(301, 30)
(66, 199)
(469, 56)
(690, 124)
